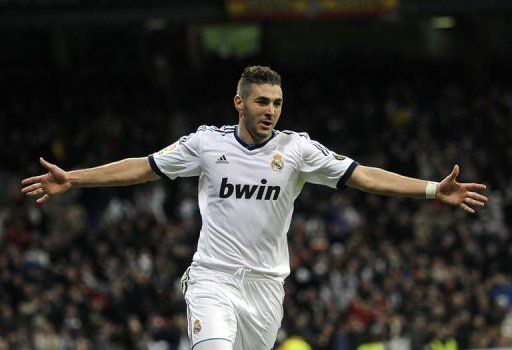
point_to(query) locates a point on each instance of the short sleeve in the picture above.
(180, 159)
(319, 165)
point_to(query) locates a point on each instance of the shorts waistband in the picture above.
(248, 273)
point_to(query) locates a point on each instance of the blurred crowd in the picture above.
(100, 268)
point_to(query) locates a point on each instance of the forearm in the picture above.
(379, 181)
(128, 171)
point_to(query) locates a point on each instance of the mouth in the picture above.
(266, 124)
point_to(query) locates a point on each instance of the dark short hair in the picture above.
(256, 75)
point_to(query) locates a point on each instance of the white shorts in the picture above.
(240, 307)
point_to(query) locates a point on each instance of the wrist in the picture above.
(431, 190)
(72, 179)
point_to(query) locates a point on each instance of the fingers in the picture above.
(477, 196)
(473, 199)
(467, 208)
(473, 202)
(475, 187)
(31, 188)
(43, 199)
(35, 189)
(31, 180)
(37, 192)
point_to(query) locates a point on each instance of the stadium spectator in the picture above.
(96, 270)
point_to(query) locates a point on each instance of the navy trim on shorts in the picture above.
(202, 341)
(156, 169)
(189, 323)
(341, 182)
(186, 288)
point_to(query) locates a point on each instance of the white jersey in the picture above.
(246, 192)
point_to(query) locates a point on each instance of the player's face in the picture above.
(259, 111)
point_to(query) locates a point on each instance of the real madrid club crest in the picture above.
(168, 148)
(197, 326)
(338, 156)
(277, 163)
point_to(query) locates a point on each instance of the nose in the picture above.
(271, 110)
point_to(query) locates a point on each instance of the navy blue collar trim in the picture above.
(254, 146)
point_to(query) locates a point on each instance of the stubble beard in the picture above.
(253, 129)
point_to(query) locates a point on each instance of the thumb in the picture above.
(454, 174)
(47, 165)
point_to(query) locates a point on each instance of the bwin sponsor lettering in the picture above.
(244, 191)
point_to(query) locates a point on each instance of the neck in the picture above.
(244, 134)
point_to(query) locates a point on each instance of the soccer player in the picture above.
(249, 176)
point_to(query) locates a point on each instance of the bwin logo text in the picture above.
(248, 191)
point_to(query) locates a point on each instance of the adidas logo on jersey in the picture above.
(249, 191)
(222, 160)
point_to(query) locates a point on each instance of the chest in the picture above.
(257, 174)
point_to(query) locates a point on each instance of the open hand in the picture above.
(55, 182)
(463, 195)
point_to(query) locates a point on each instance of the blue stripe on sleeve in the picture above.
(156, 169)
(341, 182)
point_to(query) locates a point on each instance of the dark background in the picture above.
(414, 90)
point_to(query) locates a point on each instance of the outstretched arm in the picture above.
(128, 171)
(448, 191)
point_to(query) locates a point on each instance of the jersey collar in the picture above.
(253, 146)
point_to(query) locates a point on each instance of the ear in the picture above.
(239, 103)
